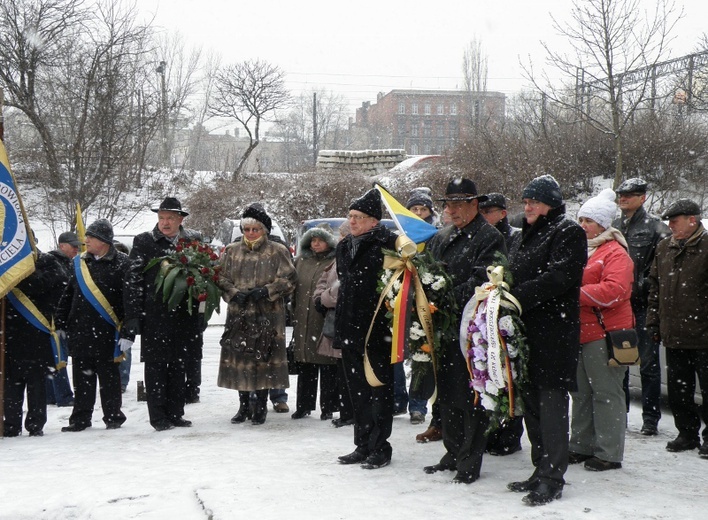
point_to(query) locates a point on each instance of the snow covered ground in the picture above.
(288, 469)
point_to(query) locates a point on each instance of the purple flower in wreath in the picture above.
(479, 353)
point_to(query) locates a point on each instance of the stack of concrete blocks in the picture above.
(366, 161)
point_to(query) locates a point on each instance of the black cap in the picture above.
(171, 204)
(462, 190)
(257, 212)
(369, 203)
(102, 230)
(682, 207)
(544, 189)
(69, 238)
(418, 198)
(494, 200)
(633, 185)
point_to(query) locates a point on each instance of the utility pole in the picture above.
(314, 129)
(163, 89)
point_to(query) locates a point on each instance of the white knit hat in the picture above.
(601, 208)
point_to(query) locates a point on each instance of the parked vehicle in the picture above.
(333, 223)
(230, 230)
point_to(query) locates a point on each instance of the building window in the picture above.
(427, 129)
(414, 131)
(454, 130)
(401, 108)
(441, 110)
(414, 149)
(426, 149)
(401, 130)
(427, 109)
(440, 131)
(414, 109)
(453, 109)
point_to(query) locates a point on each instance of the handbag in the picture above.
(328, 326)
(293, 366)
(622, 345)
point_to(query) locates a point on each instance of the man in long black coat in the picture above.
(547, 262)
(169, 339)
(466, 249)
(92, 340)
(28, 349)
(359, 263)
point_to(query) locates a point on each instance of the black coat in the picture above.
(358, 277)
(508, 231)
(44, 288)
(89, 335)
(466, 254)
(165, 335)
(547, 262)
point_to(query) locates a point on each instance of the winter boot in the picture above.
(261, 409)
(244, 410)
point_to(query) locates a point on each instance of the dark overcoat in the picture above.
(166, 336)
(547, 262)
(44, 288)
(89, 335)
(358, 277)
(466, 253)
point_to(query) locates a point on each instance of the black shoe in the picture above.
(10, 434)
(192, 400)
(67, 404)
(500, 451)
(163, 426)
(703, 451)
(74, 428)
(338, 423)
(259, 418)
(543, 494)
(324, 416)
(438, 467)
(577, 458)
(181, 423)
(464, 478)
(354, 457)
(376, 461)
(38, 433)
(400, 411)
(682, 443)
(523, 486)
(649, 429)
(300, 414)
(112, 426)
(242, 415)
(595, 464)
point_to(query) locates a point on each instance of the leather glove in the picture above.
(240, 298)
(258, 294)
(132, 326)
(124, 344)
(319, 307)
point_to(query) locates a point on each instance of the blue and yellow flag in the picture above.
(80, 229)
(17, 253)
(407, 222)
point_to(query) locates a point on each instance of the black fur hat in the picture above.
(369, 203)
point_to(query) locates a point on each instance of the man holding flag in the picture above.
(466, 249)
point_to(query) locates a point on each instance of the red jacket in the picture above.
(607, 286)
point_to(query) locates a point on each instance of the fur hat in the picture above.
(256, 211)
(69, 238)
(322, 231)
(369, 203)
(633, 185)
(170, 204)
(494, 200)
(544, 189)
(682, 207)
(462, 190)
(102, 230)
(601, 208)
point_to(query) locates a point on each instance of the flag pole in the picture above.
(2, 304)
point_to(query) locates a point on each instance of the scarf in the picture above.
(250, 244)
(606, 236)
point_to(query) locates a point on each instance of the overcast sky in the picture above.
(362, 47)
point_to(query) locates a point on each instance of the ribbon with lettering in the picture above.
(98, 301)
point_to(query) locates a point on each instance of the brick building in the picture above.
(424, 121)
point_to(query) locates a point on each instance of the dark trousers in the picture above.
(165, 389)
(307, 387)
(57, 386)
(372, 406)
(546, 417)
(193, 378)
(649, 370)
(86, 372)
(464, 438)
(508, 435)
(682, 367)
(21, 375)
(346, 411)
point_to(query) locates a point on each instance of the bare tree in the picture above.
(250, 92)
(474, 71)
(615, 45)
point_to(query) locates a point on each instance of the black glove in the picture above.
(240, 298)
(132, 327)
(258, 294)
(319, 307)
(203, 324)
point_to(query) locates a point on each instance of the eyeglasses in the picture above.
(251, 229)
(489, 211)
(629, 195)
(357, 217)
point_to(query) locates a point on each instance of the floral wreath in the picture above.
(495, 348)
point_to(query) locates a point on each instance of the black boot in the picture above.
(261, 408)
(244, 410)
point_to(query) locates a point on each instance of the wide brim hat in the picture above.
(170, 204)
(461, 189)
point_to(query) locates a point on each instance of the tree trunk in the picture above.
(242, 161)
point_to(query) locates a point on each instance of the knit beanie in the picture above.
(544, 189)
(601, 208)
(369, 203)
(256, 211)
(102, 230)
(418, 198)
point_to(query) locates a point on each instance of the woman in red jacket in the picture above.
(599, 406)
